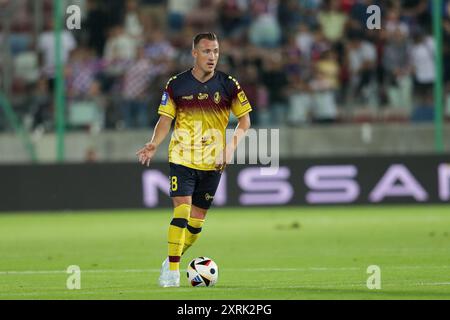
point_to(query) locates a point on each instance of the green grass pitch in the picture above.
(268, 253)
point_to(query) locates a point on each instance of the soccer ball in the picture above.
(202, 272)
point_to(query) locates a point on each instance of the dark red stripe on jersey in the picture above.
(209, 103)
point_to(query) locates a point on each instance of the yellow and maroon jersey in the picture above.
(202, 112)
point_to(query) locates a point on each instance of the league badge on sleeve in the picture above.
(242, 98)
(165, 98)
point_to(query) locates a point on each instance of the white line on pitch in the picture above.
(32, 272)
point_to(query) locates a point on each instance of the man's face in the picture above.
(206, 55)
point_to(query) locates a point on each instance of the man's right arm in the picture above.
(160, 132)
(167, 111)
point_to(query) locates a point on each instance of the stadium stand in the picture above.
(301, 61)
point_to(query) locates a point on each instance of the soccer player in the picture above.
(200, 100)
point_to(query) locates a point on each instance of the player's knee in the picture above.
(198, 213)
(198, 216)
(178, 201)
(181, 215)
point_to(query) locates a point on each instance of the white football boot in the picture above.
(168, 278)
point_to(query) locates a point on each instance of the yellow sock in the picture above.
(193, 229)
(176, 235)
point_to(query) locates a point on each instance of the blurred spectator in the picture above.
(86, 104)
(205, 15)
(119, 49)
(264, 30)
(394, 25)
(26, 67)
(133, 26)
(81, 72)
(96, 26)
(299, 100)
(233, 16)
(423, 61)
(310, 6)
(332, 21)
(275, 79)
(88, 111)
(158, 48)
(183, 54)
(288, 16)
(305, 40)
(346, 5)
(154, 12)
(135, 91)
(256, 93)
(324, 86)
(447, 59)
(359, 15)
(177, 12)
(397, 66)
(417, 12)
(292, 56)
(308, 11)
(114, 10)
(40, 108)
(320, 45)
(447, 9)
(119, 45)
(46, 46)
(361, 56)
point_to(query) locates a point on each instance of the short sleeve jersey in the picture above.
(201, 112)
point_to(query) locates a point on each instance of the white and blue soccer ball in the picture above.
(202, 272)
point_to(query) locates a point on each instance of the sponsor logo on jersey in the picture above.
(242, 98)
(164, 99)
(202, 96)
(187, 97)
(217, 97)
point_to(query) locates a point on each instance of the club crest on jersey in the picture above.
(164, 99)
(202, 96)
(242, 98)
(217, 97)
